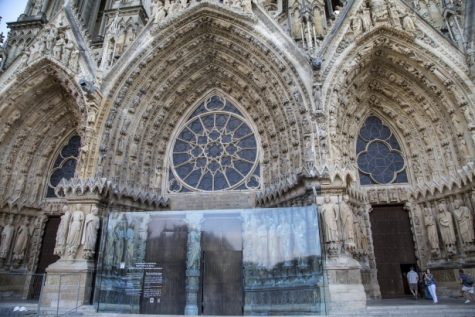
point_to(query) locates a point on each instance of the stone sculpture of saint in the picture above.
(21, 242)
(379, 10)
(465, 223)
(246, 6)
(119, 234)
(58, 47)
(67, 51)
(330, 216)
(359, 233)
(446, 227)
(194, 250)
(431, 230)
(346, 216)
(6, 239)
(91, 228)
(261, 248)
(408, 23)
(158, 11)
(62, 232)
(75, 231)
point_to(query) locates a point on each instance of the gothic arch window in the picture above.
(215, 150)
(379, 157)
(65, 164)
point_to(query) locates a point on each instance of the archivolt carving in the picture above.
(36, 118)
(397, 81)
(205, 52)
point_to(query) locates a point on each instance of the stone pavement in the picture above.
(401, 307)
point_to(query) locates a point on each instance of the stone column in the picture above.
(69, 280)
(193, 260)
(344, 289)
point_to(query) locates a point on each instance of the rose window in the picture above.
(214, 150)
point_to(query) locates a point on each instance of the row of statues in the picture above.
(14, 239)
(344, 226)
(273, 238)
(161, 9)
(55, 44)
(126, 241)
(453, 226)
(76, 229)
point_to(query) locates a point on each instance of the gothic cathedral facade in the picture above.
(364, 108)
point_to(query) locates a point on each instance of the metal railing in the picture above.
(26, 294)
(20, 293)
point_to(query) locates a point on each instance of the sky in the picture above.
(9, 11)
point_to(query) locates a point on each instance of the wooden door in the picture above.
(393, 247)
(166, 246)
(221, 287)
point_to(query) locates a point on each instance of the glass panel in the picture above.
(218, 262)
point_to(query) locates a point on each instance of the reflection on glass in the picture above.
(217, 262)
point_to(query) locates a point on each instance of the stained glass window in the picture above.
(65, 164)
(214, 150)
(379, 156)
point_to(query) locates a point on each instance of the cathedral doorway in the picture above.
(47, 255)
(221, 287)
(167, 247)
(393, 248)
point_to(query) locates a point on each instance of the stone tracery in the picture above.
(379, 59)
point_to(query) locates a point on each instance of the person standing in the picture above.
(429, 281)
(467, 286)
(412, 280)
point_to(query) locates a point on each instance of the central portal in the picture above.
(213, 262)
(221, 282)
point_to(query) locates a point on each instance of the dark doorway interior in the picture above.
(221, 287)
(47, 256)
(393, 248)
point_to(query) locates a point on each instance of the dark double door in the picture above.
(220, 291)
(221, 269)
(393, 248)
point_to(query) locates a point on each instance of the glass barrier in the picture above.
(215, 262)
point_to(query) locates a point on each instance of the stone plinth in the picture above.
(345, 287)
(68, 284)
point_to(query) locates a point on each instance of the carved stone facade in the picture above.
(98, 99)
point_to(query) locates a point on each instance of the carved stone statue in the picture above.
(62, 232)
(91, 228)
(379, 10)
(6, 239)
(67, 51)
(246, 6)
(193, 252)
(119, 234)
(330, 216)
(21, 242)
(361, 240)
(75, 231)
(346, 217)
(408, 23)
(446, 227)
(58, 47)
(158, 11)
(464, 220)
(431, 231)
